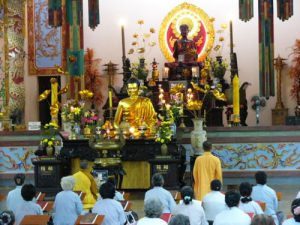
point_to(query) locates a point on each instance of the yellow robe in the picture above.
(207, 168)
(86, 184)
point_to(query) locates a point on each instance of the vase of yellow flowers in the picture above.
(49, 140)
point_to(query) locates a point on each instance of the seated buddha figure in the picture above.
(135, 110)
(184, 49)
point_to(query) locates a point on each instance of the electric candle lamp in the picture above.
(110, 98)
(166, 72)
(236, 99)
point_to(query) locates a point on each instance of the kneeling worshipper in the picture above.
(247, 204)
(27, 207)
(262, 219)
(159, 192)
(233, 215)
(14, 197)
(214, 202)
(153, 209)
(67, 204)
(180, 220)
(106, 205)
(295, 209)
(85, 182)
(190, 207)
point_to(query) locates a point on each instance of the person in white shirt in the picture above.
(67, 204)
(153, 209)
(233, 215)
(262, 192)
(14, 197)
(27, 207)
(190, 207)
(262, 219)
(214, 202)
(246, 203)
(158, 191)
(180, 220)
(295, 209)
(111, 209)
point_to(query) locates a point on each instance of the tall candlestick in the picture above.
(236, 99)
(231, 36)
(123, 42)
(110, 98)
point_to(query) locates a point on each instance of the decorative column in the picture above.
(279, 113)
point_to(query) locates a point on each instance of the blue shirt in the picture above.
(14, 198)
(67, 207)
(266, 194)
(27, 208)
(164, 196)
(112, 210)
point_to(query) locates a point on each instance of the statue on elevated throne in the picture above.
(185, 55)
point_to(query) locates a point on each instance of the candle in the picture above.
(110, 99)
(231, 37)
(236, 99)
(166, 72)
(123, 42)
(194, 71)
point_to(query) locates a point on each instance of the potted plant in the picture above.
(294, 73)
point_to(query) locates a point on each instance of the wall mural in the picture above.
(17, 159)
(200, 26)
(2, 76)
(279, 156)
(14, 57)
(45, 44)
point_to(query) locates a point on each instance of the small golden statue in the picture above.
(135, 111)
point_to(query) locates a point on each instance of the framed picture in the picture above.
(45, 44)
(101, 175)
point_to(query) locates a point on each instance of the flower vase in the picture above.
(50, 151)
(67, 126)
(164, 149)
(198, 136)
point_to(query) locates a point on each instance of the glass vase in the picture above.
(198, 136)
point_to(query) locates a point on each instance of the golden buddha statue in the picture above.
(136, 111)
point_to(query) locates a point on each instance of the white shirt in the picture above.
(298, 195)
(266, 194)
(251, 207)
(14, 198)
(232, 216)
(27, 208)
(112, 210)
(164, 196)
(151, 221)
(67, 207)
(213, 203)
(193, 210)
(290, 221)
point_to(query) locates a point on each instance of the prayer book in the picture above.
(166, 217)
(40, 196)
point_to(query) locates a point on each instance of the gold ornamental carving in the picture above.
(201, 30)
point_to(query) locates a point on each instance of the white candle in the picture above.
(166, 72)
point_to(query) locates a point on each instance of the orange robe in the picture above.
(85, 182)
(207, 168)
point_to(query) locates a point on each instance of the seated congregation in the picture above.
(252, 205)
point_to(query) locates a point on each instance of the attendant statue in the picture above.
(135, 110)
(184, 49)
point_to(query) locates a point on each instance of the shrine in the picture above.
(141, 97)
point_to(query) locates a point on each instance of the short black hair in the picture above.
(157, 180)
(261, 177)
(232, 198)
(215, 185)
(112, 180)
(28, 192)
(207, 146)
(187, 194)
(19, 179)
(107, 190)
(245, 189)
(295, 204)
